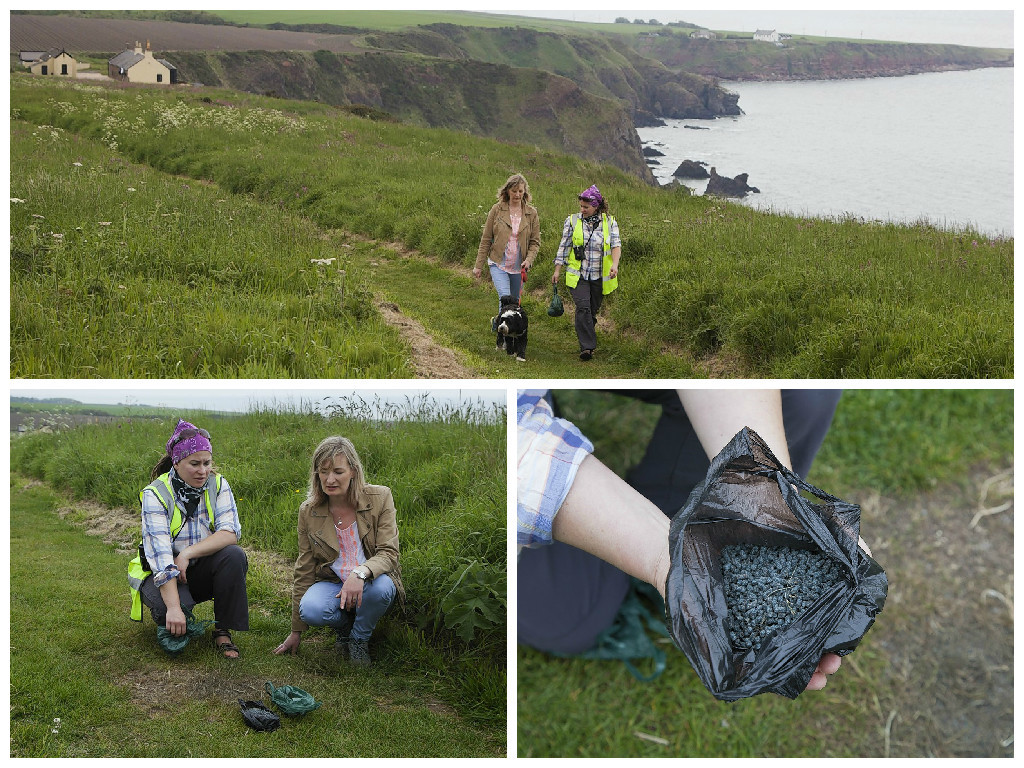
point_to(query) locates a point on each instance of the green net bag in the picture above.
(291, 700)
(176, 644)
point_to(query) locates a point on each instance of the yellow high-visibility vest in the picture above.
(574, 265)
(165, 494)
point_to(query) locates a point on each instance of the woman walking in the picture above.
(590, 251)
(510, 240)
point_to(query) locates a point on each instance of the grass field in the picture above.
(186, 234)
(932, 471)
(438, 685)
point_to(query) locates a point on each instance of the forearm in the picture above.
(604, 516)
(215, 542)
(169, 593)
(717, 415)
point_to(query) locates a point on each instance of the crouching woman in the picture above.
(347, 572)
(190, 532)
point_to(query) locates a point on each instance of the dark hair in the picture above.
(162, 467)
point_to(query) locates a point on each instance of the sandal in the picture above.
(224, 648)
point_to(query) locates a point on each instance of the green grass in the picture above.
(205, 269)
(76, 656)
(900, 443)
(451, 515)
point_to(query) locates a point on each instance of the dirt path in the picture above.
(947, 627)
(430, 359)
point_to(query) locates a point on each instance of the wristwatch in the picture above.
(362, 573)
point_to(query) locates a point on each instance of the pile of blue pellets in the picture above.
(766, 588)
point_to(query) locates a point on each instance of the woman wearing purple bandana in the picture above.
(590, 251)
(190, 551)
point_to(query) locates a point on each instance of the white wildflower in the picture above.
(17, 200)
(131, 189)
(77, 165)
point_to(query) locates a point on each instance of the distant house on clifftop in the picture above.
(767, 36)
(55, 61)
(134, 65)
(703, 34)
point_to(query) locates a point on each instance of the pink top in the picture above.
(350, 550)
(511, 261)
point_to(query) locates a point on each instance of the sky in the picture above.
(980, 28)
(229, 395)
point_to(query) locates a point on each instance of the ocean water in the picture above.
(935, 147)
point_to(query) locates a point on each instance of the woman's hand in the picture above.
(476, 272)
(828, 665)
(175, 621)
(290, 644)
(181, 561)
(351, 593)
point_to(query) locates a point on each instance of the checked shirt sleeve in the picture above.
(156, 539)
(225, 514)
(550, 450)
(563, 248)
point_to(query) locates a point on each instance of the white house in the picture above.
(703, 34)
(767, 36)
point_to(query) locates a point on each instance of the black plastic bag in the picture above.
(748, 497)
(258, 717)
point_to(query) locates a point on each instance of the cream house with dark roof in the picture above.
(135, 65)
(55, 61)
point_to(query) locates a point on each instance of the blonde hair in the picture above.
(325, 454)
(514, 181)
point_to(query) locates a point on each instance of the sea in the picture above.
(935, 147)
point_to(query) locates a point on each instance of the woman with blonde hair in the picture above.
(347, 572)
(510, 240)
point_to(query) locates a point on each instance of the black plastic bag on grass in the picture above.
(748, 497)
(258, 717)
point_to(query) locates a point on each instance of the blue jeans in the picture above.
(506, 283)
(320, 607)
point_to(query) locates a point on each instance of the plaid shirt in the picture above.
(156, 529)
(593, 240)
(550, 451)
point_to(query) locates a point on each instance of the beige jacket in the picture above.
(498, 229)
(318, 545)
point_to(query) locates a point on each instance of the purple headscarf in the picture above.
(592, 195)
(186, 440)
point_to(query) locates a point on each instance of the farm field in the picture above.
(210, 233)
(438, 683)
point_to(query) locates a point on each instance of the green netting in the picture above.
(291, 700)
(176, 644)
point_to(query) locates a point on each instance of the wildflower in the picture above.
(104, 223)
(17, 200)
(38, 216)
(131, 189)
(77, 165)
(57, 236)
(122, 287)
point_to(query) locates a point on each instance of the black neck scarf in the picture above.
(186, 494)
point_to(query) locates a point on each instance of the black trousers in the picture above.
(567, 597)
(587, 296)
(219, 577)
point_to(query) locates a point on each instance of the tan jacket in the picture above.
(498, 229)
(318, 545)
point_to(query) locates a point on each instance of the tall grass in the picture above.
(780, 295)
(445, 467)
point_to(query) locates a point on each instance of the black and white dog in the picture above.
(512, 328)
